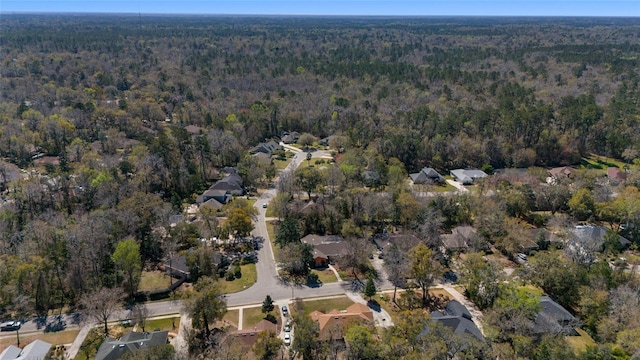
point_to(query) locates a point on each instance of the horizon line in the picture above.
(313, 15)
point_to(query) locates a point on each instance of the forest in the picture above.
(96, 152)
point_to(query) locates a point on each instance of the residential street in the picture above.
(268, 282)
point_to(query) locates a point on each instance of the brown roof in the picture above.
(614, 173)
(250, 336)
(335, 318)
(192, 129)
(333, 249)
(564, 170)
(47, 160)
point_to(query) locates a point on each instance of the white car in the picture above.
(287, 339)
(264, 205)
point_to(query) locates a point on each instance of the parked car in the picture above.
(10, 326)
(285, 311)
(264, 205)
(287, 339)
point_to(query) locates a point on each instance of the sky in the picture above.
(624, 8)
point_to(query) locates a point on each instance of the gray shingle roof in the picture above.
(113, 349)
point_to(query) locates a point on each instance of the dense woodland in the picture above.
(110, 97)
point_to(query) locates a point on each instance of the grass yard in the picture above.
(54, 338)
(249, 277)
(326, 305)
(600, 162)
(154, 280)
(580, 343)
(282, 164)
(271, 230)
(232, 316)
(252, 316)
(325, 276)
(168, 324)
(446, 187)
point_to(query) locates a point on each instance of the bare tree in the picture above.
(101, 304)
(139, 315)
(357, 255)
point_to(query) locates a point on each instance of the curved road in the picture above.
(268, 281)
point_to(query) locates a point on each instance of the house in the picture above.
(558, 173)
(615, 175)
(113, 349)
(320, 259)
(340, 319)
(177, 267)
(467, 176)
(427, 176)
(326, 249)
(458, 318)
(215, 198)
(194, 130)
(262, 158)
(231, 183)
(290, 137)
(461, 238)
(596, 234)
(553, 318)
(315, 239)
(385, 240)
(544, 237)
(333, 251)
(267, 148)
(248, 337)
(37, 350)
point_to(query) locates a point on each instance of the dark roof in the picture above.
(266, 148)
(383, 241)
(456, 317)
(178, 264)
(596, 233)
(552, 317)
(113, 349)
(231, 182)
(425, 175)
(332, 249)
(460, 238)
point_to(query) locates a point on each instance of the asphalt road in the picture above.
(268, 282)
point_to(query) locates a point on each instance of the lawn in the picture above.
(327, 305)
(249, 276)
(55, 338)
(271, 231)
(252, 316)
(442, 188)
(325, 276)
(154, 280)
(580, 343)
(386, 299)
(600, 162)
(232, 316)
(169, 324)
(282, 164)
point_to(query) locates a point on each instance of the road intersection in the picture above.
(268, 281)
